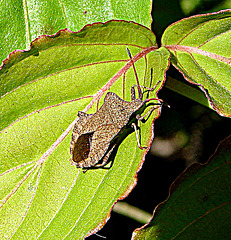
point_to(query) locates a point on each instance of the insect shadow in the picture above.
(96, 137)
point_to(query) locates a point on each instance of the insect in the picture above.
(95, 135)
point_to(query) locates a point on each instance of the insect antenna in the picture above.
(137, 80)
(98, 235)
(150, 85)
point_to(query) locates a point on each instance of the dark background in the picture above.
(202, 128)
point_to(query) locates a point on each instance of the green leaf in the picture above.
(199, 203)
(200, 48)
(43, 196)
(23, 21)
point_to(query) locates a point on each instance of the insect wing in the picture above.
(81, 148)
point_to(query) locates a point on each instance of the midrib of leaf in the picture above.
(27, 29)
(64, 12)
(101, 92)
(213, 83)
(189, 50)
(96, 97)
(136, 58)
(45, 131)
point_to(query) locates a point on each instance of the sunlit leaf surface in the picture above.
(43, 196)
(23, 21)
(200, 48)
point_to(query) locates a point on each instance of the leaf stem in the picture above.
(132, 212)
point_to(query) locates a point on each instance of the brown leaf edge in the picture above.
(190, 50)
(225, 144)
(45, 41)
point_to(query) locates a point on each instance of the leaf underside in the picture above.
(200, 48)
(42, 90)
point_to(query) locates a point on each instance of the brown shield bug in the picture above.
(94, 135)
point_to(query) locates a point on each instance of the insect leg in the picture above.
(104, 160)
(124, 85)
(133, 93)
(137, 137)
(140, 118)
(146, 88)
